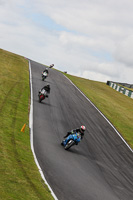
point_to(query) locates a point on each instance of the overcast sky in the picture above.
(87, 38)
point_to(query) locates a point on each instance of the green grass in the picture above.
(117, 107)
(19, 175)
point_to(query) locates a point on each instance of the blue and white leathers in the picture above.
(76, 137)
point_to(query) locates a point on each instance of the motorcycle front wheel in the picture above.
(69, 144)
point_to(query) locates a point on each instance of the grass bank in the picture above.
(19, 176)
(117, 107)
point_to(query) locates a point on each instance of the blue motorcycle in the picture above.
(72, 139)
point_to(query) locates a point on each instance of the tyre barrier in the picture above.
(120, 89)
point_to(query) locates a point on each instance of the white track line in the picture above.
(101, 114)
(31, 135)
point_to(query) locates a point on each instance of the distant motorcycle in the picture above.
(42, 95)
(44, 75)
(72, 139)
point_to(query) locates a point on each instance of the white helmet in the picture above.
(82, 129)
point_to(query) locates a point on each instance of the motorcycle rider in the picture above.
(45, 88)
(44, 74)
(46, 70)
(80, 130)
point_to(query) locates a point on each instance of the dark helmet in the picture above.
(82, 129)
(48, 86)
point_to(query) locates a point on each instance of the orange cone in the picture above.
(23, 128)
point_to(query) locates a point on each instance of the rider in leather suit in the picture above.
(46, 88)
(80, 130)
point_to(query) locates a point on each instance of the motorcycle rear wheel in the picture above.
(40, 99)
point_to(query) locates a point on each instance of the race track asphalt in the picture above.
(100, 167)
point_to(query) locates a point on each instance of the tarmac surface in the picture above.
(100, 167)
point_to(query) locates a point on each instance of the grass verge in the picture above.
(117, 107)
(19, 176)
